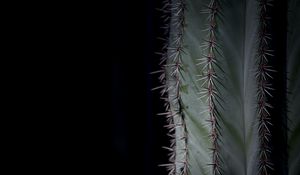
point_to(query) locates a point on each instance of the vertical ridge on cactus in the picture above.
(263, 74)
(174, 63)
(172, 60)
(171, 166)
(209, 76)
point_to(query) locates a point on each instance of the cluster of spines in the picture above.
(209, 78)
(171, 63)
(263, 76)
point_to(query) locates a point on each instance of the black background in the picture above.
(77, 105)
(137, 133)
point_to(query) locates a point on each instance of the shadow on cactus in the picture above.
(231, 83)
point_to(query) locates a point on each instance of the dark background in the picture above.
(61, 75)
(137, 133)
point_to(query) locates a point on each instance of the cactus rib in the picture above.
(263, 75)
(209, 77)
(171, 62)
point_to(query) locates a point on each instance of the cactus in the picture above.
(231, 83)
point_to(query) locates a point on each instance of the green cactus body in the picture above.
(219, 82)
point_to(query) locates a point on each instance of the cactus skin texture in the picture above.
(230, 75)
